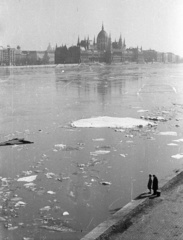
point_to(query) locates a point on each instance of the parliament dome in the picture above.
(102, 40)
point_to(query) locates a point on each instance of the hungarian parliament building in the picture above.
(101, 49)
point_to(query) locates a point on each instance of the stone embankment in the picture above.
(147, 217)
(41, 66)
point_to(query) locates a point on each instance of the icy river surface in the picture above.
(77, 172)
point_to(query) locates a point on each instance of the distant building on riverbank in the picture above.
(15, 56)
(7, 56)
(154, 56)
(102, 49)
(67, 55)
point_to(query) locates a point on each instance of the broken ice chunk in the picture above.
(60, 146)
(50, 175)
(98, 139)
(27, 238)
(119, 130)
(65, 213)
(2, 219)
(12, 228)
(51, 192)
(98, 152)
(46, 208)
(29, 185)
(167, 133)
(58, 228)
(172, 144)
(178, 140)
(20, 203)
(27, 172)
(178, 156)
(14, 199)
(71, 194)
(27, 179)
(142, 110)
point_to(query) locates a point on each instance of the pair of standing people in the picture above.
(153, 184)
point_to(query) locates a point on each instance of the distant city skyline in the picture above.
(155, 24)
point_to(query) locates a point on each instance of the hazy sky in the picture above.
(32, 24)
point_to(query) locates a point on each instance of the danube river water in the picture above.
(71, 179)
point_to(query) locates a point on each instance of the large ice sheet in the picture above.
(111, 122)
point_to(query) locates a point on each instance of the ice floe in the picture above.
(12, 228)
(27, 172)
(50, 175)
(123, 155)
(20, 203)
(60, 146)
(30, 185)
(98, 139)
(178, 140)
(172, 144)
(46, 208)
(178, 156)
(119, 130)
(51, 192)
(142, 110)
(65, 213)
(167, 133)
(99, 152)
(111, 122)
(27, 179)
(2, 219)
(58, 228)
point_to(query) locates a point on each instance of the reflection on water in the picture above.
(40, 104)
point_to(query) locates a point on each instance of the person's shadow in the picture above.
(141, 196)
(145, 195)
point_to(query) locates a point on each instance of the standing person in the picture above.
(155, 185)
(149, 185)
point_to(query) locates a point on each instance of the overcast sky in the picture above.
(32, 24)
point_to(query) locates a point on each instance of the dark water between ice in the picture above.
(39, 105)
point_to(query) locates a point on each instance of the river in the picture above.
(82, 175)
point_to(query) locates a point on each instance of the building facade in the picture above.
(8, 56)
(102, 49)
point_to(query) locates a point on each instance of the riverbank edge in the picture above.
(40, 66)
(121, 220)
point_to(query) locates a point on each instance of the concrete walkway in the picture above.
(147, 217)
(161, 219)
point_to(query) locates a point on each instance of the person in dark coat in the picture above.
(149, 185)
(155, 185)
